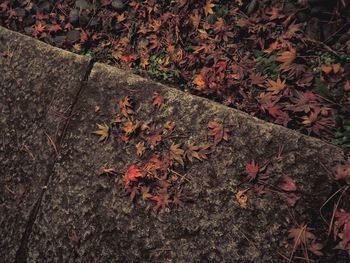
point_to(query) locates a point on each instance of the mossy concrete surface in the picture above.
(213, 228)
(84, 217)
(38, 84)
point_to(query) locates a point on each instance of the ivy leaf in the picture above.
(103, 131)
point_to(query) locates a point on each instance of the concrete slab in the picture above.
(38, 84)
(85, 218)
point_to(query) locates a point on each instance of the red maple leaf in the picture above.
(132, 174)
(344, 223)
(252, 170)
(162, 200)
(288, 184)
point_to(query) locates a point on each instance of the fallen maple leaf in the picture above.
(55, 28)
(130, 127)
(199, 81)
(145, 193)
(140, 148)
(192, 152)
(300, 234)
(287, 57)
(242, 198)
(288, 184)
(157, 100)
(103, 132)
(132, 174)
(343, 222)
(40, 28)
(276, 86)
(125, 106)
(105, 169)
(208, 8)
(218, 131)
(252, 170)
(162, 200)
(176, 153)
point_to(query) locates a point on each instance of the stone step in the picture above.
(38, 84)
(84, 217)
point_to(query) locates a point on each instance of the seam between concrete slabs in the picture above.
(21, 254)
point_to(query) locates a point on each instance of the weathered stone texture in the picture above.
(213, 228)
(38, 84)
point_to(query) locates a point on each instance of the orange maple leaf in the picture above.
(125, 106)
(208, 8)
(199, 81)
(40, 27)
(132, 174)
(287, 57)
(276, 86)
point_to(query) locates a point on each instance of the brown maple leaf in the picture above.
(140, 148)
(103, 131)
(218, 131)
(129, 127)
(176, 153)
(145, 193)
(154, 139)
(125, 106)
(157, 100)
(106, 169)
(192, 151)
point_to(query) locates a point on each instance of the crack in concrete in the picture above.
(21, 254)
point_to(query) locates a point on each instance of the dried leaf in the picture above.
(242, 199)
(208, 8)
(218, 131)
(176, 153)
(103, 131)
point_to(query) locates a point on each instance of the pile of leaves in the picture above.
(157, 172)
(267, 63)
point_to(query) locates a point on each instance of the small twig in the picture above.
(182, 176)
(52, 143)
(245, 236)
